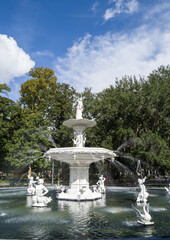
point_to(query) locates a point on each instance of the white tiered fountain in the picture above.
(79, 159)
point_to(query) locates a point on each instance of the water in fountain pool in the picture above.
(108, 218)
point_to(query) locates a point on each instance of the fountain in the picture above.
(142, 198)
(145, 217)
(79, 159)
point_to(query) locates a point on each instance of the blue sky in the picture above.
(88, 43)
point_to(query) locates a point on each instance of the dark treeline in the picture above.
(132, 119)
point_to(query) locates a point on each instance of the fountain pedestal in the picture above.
(79, 177)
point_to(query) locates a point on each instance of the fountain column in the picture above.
(79, 177)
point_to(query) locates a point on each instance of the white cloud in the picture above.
(43, 53)
(118, 3)
(110, 13)
(121, 6)
(162, 9)
(132, 6)
(14, 62)
(93, 9)
(96, 61)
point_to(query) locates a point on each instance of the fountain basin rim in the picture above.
(77, 150)
(78, 200)
(66, 187)
(82, 153)
(82, 156)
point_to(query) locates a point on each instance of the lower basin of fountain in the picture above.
(110, 217)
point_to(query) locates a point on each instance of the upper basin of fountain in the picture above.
(72, 123)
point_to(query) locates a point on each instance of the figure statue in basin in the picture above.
(143, 194)
(100, 184)
(39, 200)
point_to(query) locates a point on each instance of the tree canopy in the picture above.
(132, 119)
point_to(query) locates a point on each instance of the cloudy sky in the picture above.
(88, 43)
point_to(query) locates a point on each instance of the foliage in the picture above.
(132, 110)
(44, 105)
(132, 118)
(8, 110)
(27, 146)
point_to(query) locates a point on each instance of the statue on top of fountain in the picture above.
(79, 137)
(143, 194)
(79, 109)
(100, 184)
(39, 200)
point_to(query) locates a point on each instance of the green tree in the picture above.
(45, 104)
(132, 110)
(8, 112)
(43, 93)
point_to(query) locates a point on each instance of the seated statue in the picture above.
(39, 200)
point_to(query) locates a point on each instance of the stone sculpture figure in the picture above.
(39, 200)
(79, 108)
(31, 187)
(100, 184)
(145, 217)
(143, 194)
(79, 140)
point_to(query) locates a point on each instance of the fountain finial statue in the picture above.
(79, 109)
